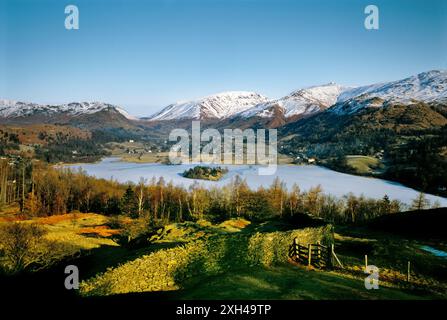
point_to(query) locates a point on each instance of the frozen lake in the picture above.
(332, 182)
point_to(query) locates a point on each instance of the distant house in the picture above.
(311, 160)
(131, 141)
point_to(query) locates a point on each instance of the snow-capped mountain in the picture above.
(425, 87)
(16, 109)
(301, 102)
(218, 106)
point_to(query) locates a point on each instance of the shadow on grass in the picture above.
(100, 259)
(277, 283)
(287, 282)
(49, 283)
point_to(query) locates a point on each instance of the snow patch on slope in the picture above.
(301, 102)
(218, 106)
(424, 87)
(15, 109)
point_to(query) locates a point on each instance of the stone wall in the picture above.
(167, 269)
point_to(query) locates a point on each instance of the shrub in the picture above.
(134, 232)
(22, 245)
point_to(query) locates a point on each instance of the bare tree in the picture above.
(141, 195)
(4, 172)
(20, 244)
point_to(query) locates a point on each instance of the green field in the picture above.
(364, 164)
(290, 283)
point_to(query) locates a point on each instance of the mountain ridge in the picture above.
(17, 109)
(217, 106)
(426, 87)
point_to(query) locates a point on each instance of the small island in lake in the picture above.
(205, 173)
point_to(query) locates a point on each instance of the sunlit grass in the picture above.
(363, 164)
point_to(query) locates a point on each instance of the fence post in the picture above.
(335, 256)
(309, 262)
(366, 261)
(332, 253)
(318, 253)
(295, 248)
(329, 256)
(408, 271)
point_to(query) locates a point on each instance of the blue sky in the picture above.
(144, 55)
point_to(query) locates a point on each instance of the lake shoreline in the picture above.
(332, 182)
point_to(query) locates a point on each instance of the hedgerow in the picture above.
(167, 269)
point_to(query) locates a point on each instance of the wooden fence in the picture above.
(321, 256)
(316, 255)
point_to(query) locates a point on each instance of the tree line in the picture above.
(43, 190)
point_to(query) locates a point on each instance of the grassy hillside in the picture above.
(204, 250)
(421, 224)
(287, 282)
(363, 164)
(235, 259)
(43, 134)
(48, 142)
